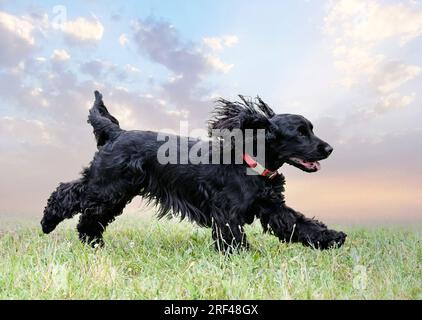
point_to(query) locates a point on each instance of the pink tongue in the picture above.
(311, 165)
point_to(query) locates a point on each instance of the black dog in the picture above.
(220, 196)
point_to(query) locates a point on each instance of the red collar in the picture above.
(258, 168)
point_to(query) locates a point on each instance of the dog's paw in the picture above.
(94, 242)
(97, 243)
(328, 239)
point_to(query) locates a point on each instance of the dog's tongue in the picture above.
(313, 165)
(308, 165)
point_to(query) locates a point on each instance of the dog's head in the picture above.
(289, 138)
(296, 142)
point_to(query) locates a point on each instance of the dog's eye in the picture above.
(302, 131)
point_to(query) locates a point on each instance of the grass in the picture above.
(167, 260)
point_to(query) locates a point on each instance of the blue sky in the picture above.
(353, 67)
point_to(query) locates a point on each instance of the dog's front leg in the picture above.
(291, 226)
(229, 237)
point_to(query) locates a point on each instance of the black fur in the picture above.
(222, 197)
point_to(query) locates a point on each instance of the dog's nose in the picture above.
(326, 149)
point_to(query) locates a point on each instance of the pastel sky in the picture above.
(353, 67)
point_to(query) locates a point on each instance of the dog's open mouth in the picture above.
(308, 166)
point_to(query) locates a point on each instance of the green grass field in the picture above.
(146, 259)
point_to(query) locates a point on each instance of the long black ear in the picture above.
(244, 114)
(264, 108)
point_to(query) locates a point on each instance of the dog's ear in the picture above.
(264, 107)
(244, 114)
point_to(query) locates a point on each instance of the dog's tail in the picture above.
(106, 127)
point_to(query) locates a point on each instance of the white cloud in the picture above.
(174, 78)
(16, 38)
(123, 40)
(83, 30)
(213, 43)
(392, 75)
(218, 65)
(124, 112)
(230, 41)
(131, 69)
(218, 43)
(356, 60)
(40, 59)
(371, 22)
(360, 30)
(60, 55)
(21, 27)
(394, 101)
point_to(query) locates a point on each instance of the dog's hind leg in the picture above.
(229, 237)
(63, 203)
(94, 221)
(291, 226)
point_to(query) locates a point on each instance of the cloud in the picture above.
(161, 43)
(359, 28)
(371, 22)
(219, 43)
(83, 30)
(394, 101)
(24, 132)
(22, 28)
(392, 75)
(60, 55)
(131, 69)
(16, 37)
(108, 70)
(94, 68)
(219, 65)
(355, 61)
(123, 40)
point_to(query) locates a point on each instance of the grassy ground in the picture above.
(167, 260)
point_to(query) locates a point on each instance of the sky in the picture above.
(352, 67)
